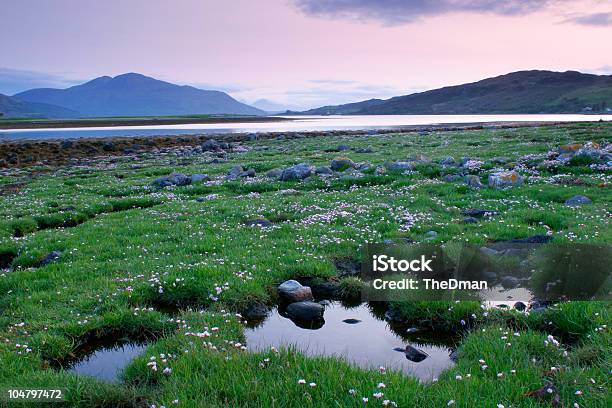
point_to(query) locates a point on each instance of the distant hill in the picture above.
(518, 92)
(137, 95)
(15, 108)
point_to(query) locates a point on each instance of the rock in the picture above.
(520, 306)
(473, 181)
(478, 213)
(342, 148)
(419, 158)
(256, 311)
(297, 172)
(293, 291)
(578, 200)
(429, 235)
(258, 222)
(351, 321)
(323, 289)
(66, 144)
(199, 178)
(274, 173)
(347, 267)
(325, 303)
(489, 251)
(341, 164)
(448, 161)
(414, 354)
(400, 166)
(179, 179)
(365, 150)
(412, 330)
(393, 315)
(161, 182)
(451, 178)
(248, 173)
(505, 179)
(571, 148)
(108, 146)
(234, 172)
(211, 145)
(324, 171)
(535, 239)
(470, 220)
(454, 356)
(50, 258)
(201, 199)
(509, 282)
(306, 310)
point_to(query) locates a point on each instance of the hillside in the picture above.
(15, 108)
(138, 95)
(518, 92)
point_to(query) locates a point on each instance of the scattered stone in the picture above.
(234, 173)
(341, 164)
(451, 178)
(324, 171)
(478, 213)
(342, 148)
(248, 173)
(293, 291)
(473, 181)
(571, 148)
(258, 222)
(50, 258)
(448, 161)
(578, 200)
(470, 220)
(414, 354)
(505, 179)
(297, 172)
(212, 145)
(199, 178)
(351, 321)
(174, 179)
(161, 182)
(274, 173)
(256, 311)
(306, 310)
(400, 165)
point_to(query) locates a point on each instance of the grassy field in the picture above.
(130, 251)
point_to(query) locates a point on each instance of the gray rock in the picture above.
(256, 311)
(365, 150)
(199, 178)
(470, 220)
(342, 148)
(50, 258)
(248, 173)
(179, 179)
(473, 181)
(414, 354)
(258, 222)
(324, 171)
(578, 200)
(297, 172)
(211, 145)
(234, 172)
(341, 164)
(451, 178)
(306, 310)
(293, 291)
(161, 182)
(274, 173)
(489, 251)
(448, 161)
(478, 213)
(505, 179)
(429, 235)
(400, 165)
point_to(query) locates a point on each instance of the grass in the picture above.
(126, 246)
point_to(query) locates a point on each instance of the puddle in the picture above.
(365, 340)
(106, 362)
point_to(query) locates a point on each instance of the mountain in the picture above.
(137, 95)
(15, 108)
(517, 92)
(273, 107)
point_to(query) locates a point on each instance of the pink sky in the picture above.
(273, 49)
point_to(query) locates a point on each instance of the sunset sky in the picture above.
(299, 53)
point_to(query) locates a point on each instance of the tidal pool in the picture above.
(358, 334)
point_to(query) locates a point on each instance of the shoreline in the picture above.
(24, 153)
(9, 124)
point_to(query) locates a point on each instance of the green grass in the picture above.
(121, 241)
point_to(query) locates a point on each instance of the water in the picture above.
(300, 124)
(367, 344)
(106, 363)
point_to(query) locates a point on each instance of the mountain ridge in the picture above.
(133, 94)
(525, 92)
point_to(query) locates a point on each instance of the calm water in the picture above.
(108, 362)
(369, 343)
(300, 124)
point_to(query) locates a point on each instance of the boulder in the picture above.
(400, 165)
(478, 213)
(258, 222)
(505, 179)
(293, 291)
(211, 145)
(414, 354)
(448, 161)
(199, 178)
(297, 172)
(179, 179)
(50, 258)
(161, 182)
(578, 200)
(571, 148)
(324, 171)
(305, 310)
(473, 181)
(341, 164)
(342, 148)
(248, 173)
(451, 178)
(234, 172)
(256, 311)
(274, 173)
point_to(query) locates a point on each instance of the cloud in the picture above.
(13, 81)
(406, 11)
(594, 19)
